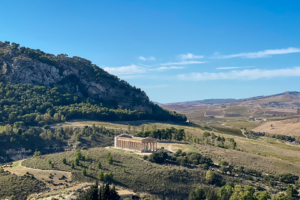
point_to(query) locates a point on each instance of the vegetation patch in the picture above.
(19, 186)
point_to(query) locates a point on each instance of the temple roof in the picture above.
(130, 138)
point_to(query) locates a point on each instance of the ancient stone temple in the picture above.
(125, 141)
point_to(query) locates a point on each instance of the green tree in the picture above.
(100, 176)
(72, 165)
(110, 160)
(36, 153)
(210, 176)
(64, 161)
(105, 176)
(225, 192)
(84, 172)
(52, 165)
(99, 166)
(108, 155)
(291, 192)
(49, 161)
(197, 194)
(78, 154)
(237, 193)
(90, 167)
(265, 195)
(76, 161)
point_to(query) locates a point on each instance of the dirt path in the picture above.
(44, 175)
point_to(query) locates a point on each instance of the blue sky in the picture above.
(173, 50)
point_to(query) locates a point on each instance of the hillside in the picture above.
(237, 113)
(35, 83)
(75, 75)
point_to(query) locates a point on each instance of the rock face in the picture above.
(75, 75)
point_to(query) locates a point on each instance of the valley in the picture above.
(57, 135)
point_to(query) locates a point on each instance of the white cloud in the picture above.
(235, 67)
(261, 54)
(184, 62)
(242, 75)
(167, 68)
(131, 69)
(190, 56)
(142, 58)
(151, 58)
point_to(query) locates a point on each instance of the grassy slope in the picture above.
(281, 157)
(140, 175)
(19, 186)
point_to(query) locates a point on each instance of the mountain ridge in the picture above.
(77, 76)
(229, 100)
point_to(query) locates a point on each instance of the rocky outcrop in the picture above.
(75, 75)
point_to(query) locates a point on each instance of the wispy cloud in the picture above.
(235, 67)
(167, 68)
(135, 69)
(184, 62)
(190, 56)
(142, 58)
(131, 69)
(261, 54)
(242, 74)
(151, 58)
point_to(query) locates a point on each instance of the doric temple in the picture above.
(125, 141)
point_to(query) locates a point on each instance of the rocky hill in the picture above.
(75, 75)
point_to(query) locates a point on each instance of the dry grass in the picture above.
(289, 127)
(20, 170)
(175, 146)
(249, 160)
(140, 175)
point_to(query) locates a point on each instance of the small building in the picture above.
(125, 141)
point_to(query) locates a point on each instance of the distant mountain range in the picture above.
(293, 95)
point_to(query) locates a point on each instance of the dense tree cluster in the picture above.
(104, 192)
(163, 134)
(284, 137)
(180, 157)
(24, 104)
(237, 192)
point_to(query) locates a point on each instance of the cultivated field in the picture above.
(289, 127)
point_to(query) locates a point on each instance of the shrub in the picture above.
(109, 160)
(210, 176)
(100, 176)
(84, 172)
(145, 157)
(77, 161)
(99, 165)
(64, 161)
(36, 153)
